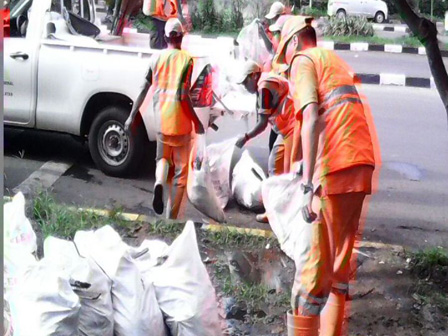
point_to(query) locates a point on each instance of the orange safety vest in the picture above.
(344, 137)
(282, 119)
(163, 9)
(169, 85)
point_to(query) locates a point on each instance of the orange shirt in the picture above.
(161, 9)
(170, 75)
(320, 76)
(277, 103)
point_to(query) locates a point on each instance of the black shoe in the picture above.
(157, 202)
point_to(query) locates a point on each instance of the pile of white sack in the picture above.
(225, 173)
(98, 285)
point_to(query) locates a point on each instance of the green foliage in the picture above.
(206, 18)
(405, 41)
(315, 12)
(350, 26)
(430, 258)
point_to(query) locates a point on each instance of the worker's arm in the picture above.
(296, 151)
(309, 137)
(265, 38)
(139, 101)
(257, 130)
(185, 99)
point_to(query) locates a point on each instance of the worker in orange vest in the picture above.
(339, 158)
(159, 12)
(167, 88)
(274, 107)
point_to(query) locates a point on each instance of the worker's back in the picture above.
(170, 82)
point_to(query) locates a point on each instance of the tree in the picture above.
(426, 32)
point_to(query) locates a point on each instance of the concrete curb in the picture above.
(364, 46)
(396, 80)
(400, 29)
(132, 217)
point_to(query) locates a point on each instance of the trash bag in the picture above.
(148, 255)
(19, 242)
(200, 190)
(219, 158)
(184, 291)
(251, 44)
(283, 201)
(133, 316)
(96, 313)
(247, 179)
(44, 304)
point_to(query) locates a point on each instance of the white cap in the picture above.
(278, 25)
(248, 68)
(277, 8)
(173, 25)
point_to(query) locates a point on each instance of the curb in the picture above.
(396, 80)
(364, 46)
(133, 217)
(401, 29)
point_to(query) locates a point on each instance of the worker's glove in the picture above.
(127, 125)
(241, 141)
(307, 210)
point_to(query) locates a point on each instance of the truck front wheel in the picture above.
(112, 150)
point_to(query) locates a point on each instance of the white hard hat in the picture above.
(173, 25)
(277, 8)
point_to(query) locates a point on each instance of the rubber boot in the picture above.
(162, 168)
(302, 325)
(332, 316)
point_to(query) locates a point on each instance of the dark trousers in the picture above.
(272, 138)
(157, 38)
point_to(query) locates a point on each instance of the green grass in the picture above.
(406, 41)
(62, 221)
(430, 258)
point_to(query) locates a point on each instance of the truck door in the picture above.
(19, 67)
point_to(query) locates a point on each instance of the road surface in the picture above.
(410, 207)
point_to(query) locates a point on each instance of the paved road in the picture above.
(410, 208)
(379, 62)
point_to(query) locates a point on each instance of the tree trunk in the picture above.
(426, 32)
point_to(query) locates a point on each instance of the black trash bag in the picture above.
(77, 25)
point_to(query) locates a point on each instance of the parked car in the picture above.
(83, 86)
(372, 9)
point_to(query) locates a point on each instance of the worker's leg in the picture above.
(163, 161)
(277, 157)
(157, 40)
(181, 157)
(314, 268)
(342, 213)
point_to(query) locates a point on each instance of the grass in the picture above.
(406, 41)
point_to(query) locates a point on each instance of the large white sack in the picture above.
(44, 304)
(247, 179)
(148, 255)
(133, 316)
(283, 200)
(200, 190)
(96, 314)
(251, 45)
(219, 156)
(184, 290)
(19, 242)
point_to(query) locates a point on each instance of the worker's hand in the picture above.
(307, 210)
(241, 141)
(297, 168)
(127, 125)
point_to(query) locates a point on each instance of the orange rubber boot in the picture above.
(333, 315)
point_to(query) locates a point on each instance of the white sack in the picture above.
(44, 304)
(96, 314)
(133, 316)
(247, 179)
(184, 290)
(200, 190)
(19, 242)
(219, 158)
(283, 200)
(251, 45)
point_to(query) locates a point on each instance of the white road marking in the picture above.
(43, 178)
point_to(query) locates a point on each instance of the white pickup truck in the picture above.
(58, 81)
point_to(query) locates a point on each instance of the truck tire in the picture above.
(113, 152)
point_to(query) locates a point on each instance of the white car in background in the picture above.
(372, 9)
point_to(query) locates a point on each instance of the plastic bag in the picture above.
(184, 290)
(246, 182)
(283, 201)
(19, 242)
(96, 313)
(219, 157)
(251, 44)
(44, 303)
(200, 190)
(133, 316)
